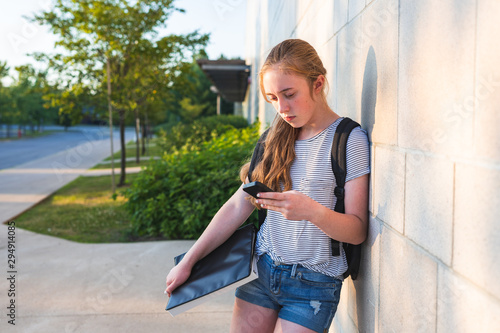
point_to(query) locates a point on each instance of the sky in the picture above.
(223, 19)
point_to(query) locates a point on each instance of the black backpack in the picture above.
(353, 252)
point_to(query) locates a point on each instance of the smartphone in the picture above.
(255, 187)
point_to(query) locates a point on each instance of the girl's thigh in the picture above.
(285, 326)
(248, 317)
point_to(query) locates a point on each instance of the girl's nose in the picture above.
(283, 106)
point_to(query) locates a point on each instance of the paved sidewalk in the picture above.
(131, 159)
(106, 172)
(63, 286)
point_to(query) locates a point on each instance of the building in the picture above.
(423, 78)
(230, 81)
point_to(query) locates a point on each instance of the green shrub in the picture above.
(176, 197)
(197, 132)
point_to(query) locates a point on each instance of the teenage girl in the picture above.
(299, 282)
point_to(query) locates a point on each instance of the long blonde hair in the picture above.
(293, 56)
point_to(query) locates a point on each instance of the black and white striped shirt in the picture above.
(301, 242)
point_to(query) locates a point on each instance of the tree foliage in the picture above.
(190, 97)
(121, 35)
(170, 198)
(22, 103)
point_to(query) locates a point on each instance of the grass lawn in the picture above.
(128, 164)
(152, 150)
(83, 211)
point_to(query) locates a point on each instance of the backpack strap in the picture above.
(339, 162)
(257, 156)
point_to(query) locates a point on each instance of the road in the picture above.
(32, 169)
(16, 152)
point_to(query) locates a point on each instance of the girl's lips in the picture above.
(289, 118)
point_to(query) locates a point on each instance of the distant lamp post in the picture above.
(215, 91)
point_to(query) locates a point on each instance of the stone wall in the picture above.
(423, 78)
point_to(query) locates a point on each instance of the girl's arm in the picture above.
(229, 217)
(350, 227)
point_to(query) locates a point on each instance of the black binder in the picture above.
(225, 268)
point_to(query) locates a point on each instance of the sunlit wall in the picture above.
(423, 78)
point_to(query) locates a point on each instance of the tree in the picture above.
(22, 102)
(151, 76)
(107, 40)
(6, 102)
(190, 97)
(28, 91)
(4, 71)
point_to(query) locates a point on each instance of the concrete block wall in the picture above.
(423, 78)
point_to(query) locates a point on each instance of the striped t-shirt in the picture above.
(301, 242)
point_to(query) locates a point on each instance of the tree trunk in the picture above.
(144, 134)
(110, 114)
(122, 145)
(137, 136)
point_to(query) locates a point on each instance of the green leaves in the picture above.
(125, 33)
(177, 196)
(22, 102)
(191, 136)
(116, 41)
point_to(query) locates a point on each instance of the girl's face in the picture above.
(291, 97)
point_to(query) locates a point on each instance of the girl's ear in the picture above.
(319, 83)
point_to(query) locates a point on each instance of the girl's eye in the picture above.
(272, 98)
(289, 96)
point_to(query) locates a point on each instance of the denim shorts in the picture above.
(299, 295)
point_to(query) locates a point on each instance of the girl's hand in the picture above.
(294, 205)
(177, 276)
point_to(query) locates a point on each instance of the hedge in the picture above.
(177, 196)
(199, 131)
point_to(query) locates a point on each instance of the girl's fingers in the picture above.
(270, 195)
